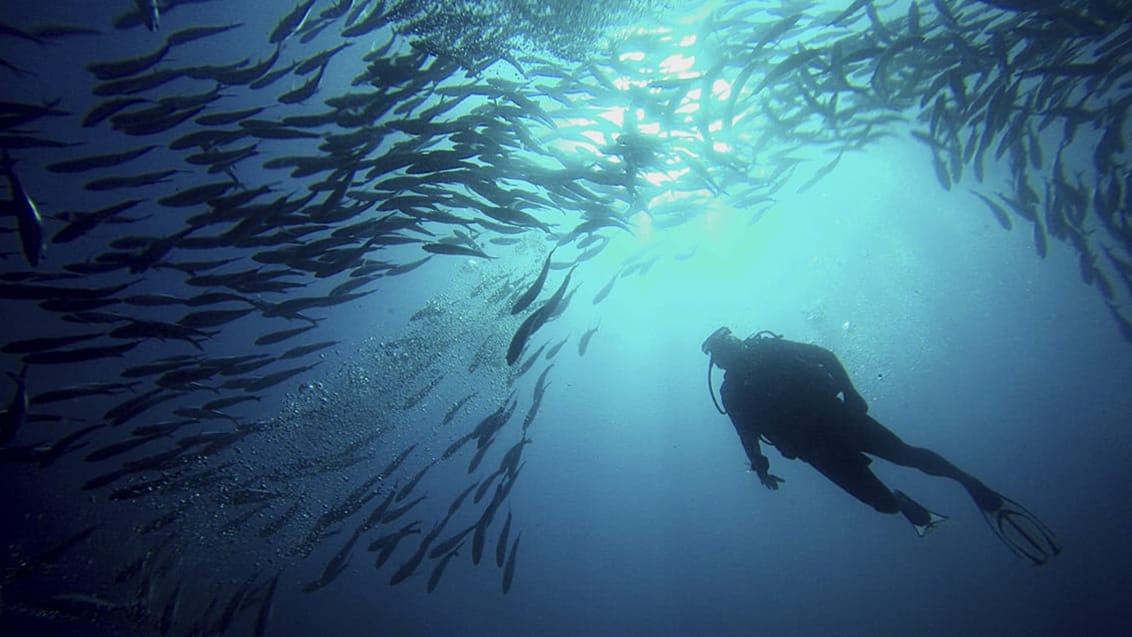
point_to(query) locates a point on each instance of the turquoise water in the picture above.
(636, 509)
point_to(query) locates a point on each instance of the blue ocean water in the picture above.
(636, 509)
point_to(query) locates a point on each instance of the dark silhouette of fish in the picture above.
(536, 320)
(532, 292)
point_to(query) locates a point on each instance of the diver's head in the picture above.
(725, 350)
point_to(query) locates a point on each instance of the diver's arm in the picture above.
(760, 464)
(828, 360)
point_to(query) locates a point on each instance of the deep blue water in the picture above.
(637, 513)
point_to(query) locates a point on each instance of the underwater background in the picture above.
(802, 167)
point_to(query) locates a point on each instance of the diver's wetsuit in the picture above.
(799, 398)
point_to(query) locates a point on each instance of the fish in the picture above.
(169, 611)
(438, 570)
(212, 318)
(335, 567)
(28, 220)
(99, 112)
(83, 164)
(853, 8)
(229, 117)
(319, 60)
(196, 195)
(291, 22)
(397, 461)
(16, 415)
(412, 483)
(265, 607)
(271, 77)
(821, 173)
(278, 523)
(29, 345)
(448, 248)
(127, 410)
(138, 329)
(230, 401)
(79, 391)
(481, 452)
(999, 213)
(536, 320)
(584, 342)
(131, 181)
(410, 565)
(402, 510)
(606, 289)
(31, 291)
(1041, 243)
(501, 545)
(526, 365)
(304, 92)
(118, 448)
(150, 13)
(388, 543)
(282, 335)
(270, 380)
(190, 34)
(30, 564)
(303, 350)
(79, 355)
(536, 401)
(509, 569)
(8, 30)
(124, 68)
(555, 348)
(1122, 322)
(454, 409)
(451, 543)
(532, 292)
(14, 115)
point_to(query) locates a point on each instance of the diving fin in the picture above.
(1022, 532)
(922, 520)
(935, 520)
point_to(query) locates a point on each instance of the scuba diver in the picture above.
(798, 398)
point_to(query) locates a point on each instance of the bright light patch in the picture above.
(643, 226)
(635, 56)
(575, 122)
(663, 177)
(687, 40)
(596, 137)
(615, 114)
(721, 89)
(624, 83)
(651, 128)
(677, 63)
(713, 223)
(721, 147)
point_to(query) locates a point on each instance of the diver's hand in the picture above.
(770, 481)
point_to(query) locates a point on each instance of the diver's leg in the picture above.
(1019, 529)
(850, 471)
(874, 438)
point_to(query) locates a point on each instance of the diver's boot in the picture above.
(985, 498)
(922, 520)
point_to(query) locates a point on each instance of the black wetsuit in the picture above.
(799, 398)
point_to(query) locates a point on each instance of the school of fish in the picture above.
(348, 142)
